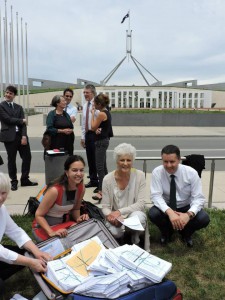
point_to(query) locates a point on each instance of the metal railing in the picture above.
(212, 171)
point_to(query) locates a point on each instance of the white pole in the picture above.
(12, 57)
(18, 55)
(22, 55)
(1, 60)
(27, 69)
(6, 48)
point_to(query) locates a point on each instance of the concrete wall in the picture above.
(167, 119)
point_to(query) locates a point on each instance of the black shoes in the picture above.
(91, 184)
(14, 187)
(188, 241)
(96, 190)
(28, 183)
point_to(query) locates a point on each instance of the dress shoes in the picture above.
(28, 183)
(163, 240)
(91, 184)
(188, 241)
(14, 187)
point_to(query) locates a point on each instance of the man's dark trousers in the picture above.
(90, 152)
(25, 154)
(162, 221)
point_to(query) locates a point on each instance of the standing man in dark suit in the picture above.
(14, 136)
(88, 136)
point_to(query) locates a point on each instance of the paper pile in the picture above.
(94, 271)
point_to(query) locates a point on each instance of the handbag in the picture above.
(31, 206)
(46, 140)
(92, 210)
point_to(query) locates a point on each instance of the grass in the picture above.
(199, 272)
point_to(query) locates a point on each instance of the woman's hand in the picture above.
(43, 256)
(82, 218)
(38, 265)
(67, 131)
(112, 218)
(61, 233)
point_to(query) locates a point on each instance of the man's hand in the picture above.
(24, 121)
(177, 222)
(24, 140)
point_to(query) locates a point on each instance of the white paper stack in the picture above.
(152, 267)
(62, 275)
(109, 286)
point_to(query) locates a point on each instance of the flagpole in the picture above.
(27, 69)
(22, 55)
(18, 54)
(6, 47)
(1, 60)
(12, 57)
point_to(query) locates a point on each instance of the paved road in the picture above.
(146, 146)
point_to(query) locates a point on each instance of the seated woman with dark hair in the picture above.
(123, 194)
(60, 207)
(12, 257)
(60, 126)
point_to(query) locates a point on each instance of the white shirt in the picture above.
(71, 110)
(188, 188)
(12, 231)
(89, 118)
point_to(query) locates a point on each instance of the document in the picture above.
(53, 248)
(132, 222)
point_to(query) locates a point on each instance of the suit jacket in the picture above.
(10, 118)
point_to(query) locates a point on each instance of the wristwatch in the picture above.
(190, 214)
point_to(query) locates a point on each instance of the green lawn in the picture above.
(199, 272)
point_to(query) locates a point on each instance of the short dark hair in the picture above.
(67, 90)
(12, 89)
(171, 149)
(56, 100)
(92, 88)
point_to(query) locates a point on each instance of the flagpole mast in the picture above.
(6, 47)
(129, 55)
(1, 60)
(18, 54)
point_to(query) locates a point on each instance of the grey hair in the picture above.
(4, 183)
(124, 149)
(92, 88)
(56, 100)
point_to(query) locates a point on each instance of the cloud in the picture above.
(70, 39)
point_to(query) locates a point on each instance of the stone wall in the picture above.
(167, 119)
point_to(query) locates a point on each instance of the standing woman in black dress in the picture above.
(103, 129)
(60, 127)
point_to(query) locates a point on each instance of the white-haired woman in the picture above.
(123, 193)
(12, 258)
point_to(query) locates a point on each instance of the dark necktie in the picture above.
(173, 200)
(10, 105)
(87, 116)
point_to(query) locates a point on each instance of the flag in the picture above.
(124, 18)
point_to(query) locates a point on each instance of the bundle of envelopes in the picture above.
(92, 270)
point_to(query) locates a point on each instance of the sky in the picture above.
(174, 39)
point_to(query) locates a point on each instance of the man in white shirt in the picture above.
(180, 209)
(88, 136)
(70, 109)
